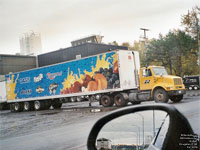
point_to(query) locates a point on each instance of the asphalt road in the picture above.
(69, 127)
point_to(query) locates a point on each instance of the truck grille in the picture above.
(177, 81)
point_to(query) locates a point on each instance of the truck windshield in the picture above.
(159, 71)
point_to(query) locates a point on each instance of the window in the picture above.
(147, 73)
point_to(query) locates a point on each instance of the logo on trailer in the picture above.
(26, 92)
(38, 78)
(39, 89)
(52, 76)
(24, 80)
(52, 88)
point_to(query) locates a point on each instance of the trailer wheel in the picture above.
(47, 104)
(38, 105)
(12, 107)
(190, 88)
(120, 100)
(160, 96)
(106, 101)
(57, 104)
(28, 106)
(177, 98)
(18, 107)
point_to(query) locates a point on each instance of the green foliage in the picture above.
(177, 51)
(191, 21)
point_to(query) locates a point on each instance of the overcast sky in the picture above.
(61, 21)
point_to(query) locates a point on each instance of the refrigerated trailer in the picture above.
(111, 78)
(3, 99)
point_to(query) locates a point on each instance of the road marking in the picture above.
(76, 147)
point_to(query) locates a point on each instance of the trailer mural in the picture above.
(89, 74)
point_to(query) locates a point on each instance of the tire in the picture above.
(38, 105)
(47, 104)
(28, 106)
(160, 96)
(120, 100)
(18, 107)
(73, 99)
(106, 101)
(190, 88)
(12, 107)
(177, 98)
(57, 104)
(196, 87)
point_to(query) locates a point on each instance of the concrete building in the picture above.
(88, 39)
(16, 63)
(75, 52)
(30, 44)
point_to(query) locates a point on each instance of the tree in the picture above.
(176, 51)
(192, 25)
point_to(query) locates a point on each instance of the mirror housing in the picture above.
(178, 125)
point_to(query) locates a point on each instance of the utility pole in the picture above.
(145, 41)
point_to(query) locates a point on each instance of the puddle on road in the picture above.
(90, 110)
(50, 113)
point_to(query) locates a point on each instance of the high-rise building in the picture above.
(30, 44)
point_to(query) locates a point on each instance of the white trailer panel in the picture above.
(2, 92)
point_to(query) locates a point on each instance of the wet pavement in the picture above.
(68, 127)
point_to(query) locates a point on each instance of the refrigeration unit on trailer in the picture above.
(3, 99)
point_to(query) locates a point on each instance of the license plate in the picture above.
(179, 92)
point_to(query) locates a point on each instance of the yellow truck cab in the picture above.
(162, 86)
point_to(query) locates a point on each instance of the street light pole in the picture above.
(138, 133)
(142, 129)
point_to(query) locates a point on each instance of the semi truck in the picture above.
(192, 82)
(114, 77)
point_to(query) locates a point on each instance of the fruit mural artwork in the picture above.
(104, 75)
(95, 73)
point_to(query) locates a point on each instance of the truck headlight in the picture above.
(170, 88)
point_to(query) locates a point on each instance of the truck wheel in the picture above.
(12, 107)
(160, 96)
(38, 105)
(177, 98)
(18, 107)
(28, 106)
(73, 99)
(196, 87)
(47, 104)
(57, 104)
(106, 101)
(120, 100)
(190, 88)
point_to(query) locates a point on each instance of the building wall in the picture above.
(15, 63)
(70, 53)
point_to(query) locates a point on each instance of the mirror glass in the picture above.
(134, 131)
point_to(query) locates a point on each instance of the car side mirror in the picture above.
(157, 126)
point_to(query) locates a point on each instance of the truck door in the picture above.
(146, 79)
